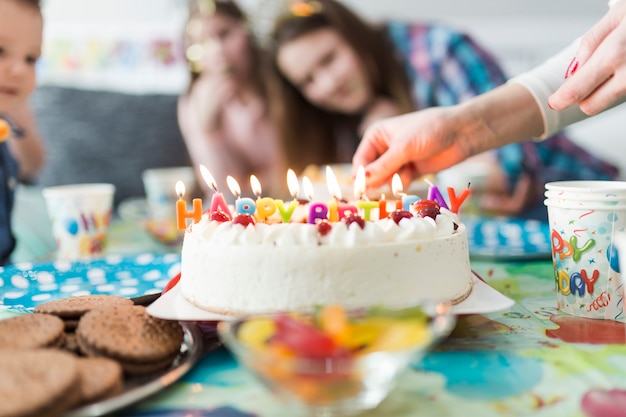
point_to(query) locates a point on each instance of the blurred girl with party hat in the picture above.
(223, 115)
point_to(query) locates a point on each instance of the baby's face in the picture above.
(21, 28)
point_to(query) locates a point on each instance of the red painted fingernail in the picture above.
(571, 68)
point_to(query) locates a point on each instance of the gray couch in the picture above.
(98, 136)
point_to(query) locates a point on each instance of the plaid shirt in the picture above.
(448, 67)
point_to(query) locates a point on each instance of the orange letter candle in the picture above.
(455, 202)
(181, 208)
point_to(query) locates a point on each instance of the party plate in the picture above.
(173, 306)
(138, 388)
(508, 239)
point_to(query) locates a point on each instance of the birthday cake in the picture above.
(238, 264)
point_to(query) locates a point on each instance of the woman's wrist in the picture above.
(505, 115)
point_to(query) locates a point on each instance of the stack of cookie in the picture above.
(77, 351)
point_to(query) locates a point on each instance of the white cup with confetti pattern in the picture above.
(584, 222)
(80, 215)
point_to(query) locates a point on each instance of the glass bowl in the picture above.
(164, 231)
(335, 384)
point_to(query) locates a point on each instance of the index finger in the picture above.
(375, 142)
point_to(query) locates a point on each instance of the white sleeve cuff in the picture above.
(544, 80)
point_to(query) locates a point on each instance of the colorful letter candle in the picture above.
(359, 194)
(405, 199)
(383, 213)
(242, 205)
(181, 208)
(435, 195)
(318, 211)
(218, 203)
(294, 189)
(265, 206)
(455, 202)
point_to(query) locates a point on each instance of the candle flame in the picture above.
(332, 183)
(233, 185)
(396, 185)
(307, 186)
(208, 178)
(292, 183)
(256, 185)
(359, 183)
(180, 189)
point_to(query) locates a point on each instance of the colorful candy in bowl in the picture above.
(333, 361)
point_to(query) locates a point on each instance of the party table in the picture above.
(529, 360)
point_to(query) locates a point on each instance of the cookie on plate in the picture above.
(71, 309)
(38, 382)
(128, 334)
(100, 378)
(31, 331)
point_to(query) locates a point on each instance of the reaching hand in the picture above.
(417, 143)
(600, 79)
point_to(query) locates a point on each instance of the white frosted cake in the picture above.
(230, 268)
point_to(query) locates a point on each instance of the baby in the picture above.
(21, 152)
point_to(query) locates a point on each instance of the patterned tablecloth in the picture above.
(528, 360)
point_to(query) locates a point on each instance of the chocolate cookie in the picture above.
(128, 334)
(31, 331)
(72, 308)
(39, 382)
(100, 378)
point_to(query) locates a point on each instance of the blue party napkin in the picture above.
(26, 285)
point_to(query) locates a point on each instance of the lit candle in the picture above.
(335, 192)
(317, 211)
(405, 199)
(435, 195)
(337, 210)
(181, 208)
(265, 206)
(307, 186)
(455, 202)
(382, 207)
(359, 194)
(218, 203)
(292, 184)
(242, 205)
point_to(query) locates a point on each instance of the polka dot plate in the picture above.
(26, 285)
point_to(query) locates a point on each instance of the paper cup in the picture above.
(80, 215)
(160, 187)
(583, 227)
